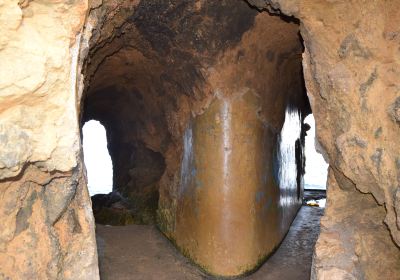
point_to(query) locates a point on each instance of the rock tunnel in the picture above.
(194, 96)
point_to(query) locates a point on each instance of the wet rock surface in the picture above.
(142, 252)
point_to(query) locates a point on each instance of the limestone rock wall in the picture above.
(47, 229)
(351, 68)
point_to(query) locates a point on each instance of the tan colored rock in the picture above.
(334, 274)
(41, 63)
(180, 57)
(47, 229)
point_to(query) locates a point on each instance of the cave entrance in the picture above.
(194, 96)
(137, 168)
(97, 158)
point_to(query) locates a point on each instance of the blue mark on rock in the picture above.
(267, 204)
(259, 196)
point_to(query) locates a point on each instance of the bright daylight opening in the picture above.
(287, 174)
(97, 159)
(316, 167)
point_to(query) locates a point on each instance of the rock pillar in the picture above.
(230, 213)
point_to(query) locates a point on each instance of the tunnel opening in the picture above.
(199, 105)
(97, 158)
(316, 168)
(137, 169)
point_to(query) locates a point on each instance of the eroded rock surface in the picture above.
(47, 227)
(149, 68)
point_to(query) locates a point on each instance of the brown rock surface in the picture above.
(351, 68)
(159, 85)
(148, 68)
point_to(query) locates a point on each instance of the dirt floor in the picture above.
(142, 252)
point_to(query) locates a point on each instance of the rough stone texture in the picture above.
(47, 229)
(155, 69)
(353, 244)
(38, 122)
(178, 53)
(351, 68)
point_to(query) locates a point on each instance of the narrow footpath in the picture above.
(143, 253)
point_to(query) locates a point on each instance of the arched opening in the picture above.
(137, 168)
(97, 158)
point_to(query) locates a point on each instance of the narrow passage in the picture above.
(141, 252)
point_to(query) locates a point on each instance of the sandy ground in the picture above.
(142, 252)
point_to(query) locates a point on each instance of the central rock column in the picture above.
(229, 216)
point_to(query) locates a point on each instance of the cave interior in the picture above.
(194, 102)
